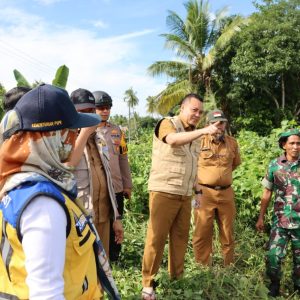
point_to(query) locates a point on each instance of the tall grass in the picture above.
(245, 279)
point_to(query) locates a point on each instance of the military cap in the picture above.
(215, 116)
(293, 131)
(284, 135)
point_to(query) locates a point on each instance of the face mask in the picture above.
(67, 142)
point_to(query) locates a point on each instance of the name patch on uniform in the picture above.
(80, 223)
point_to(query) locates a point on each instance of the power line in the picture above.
(26, 57)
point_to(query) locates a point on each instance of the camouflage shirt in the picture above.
(283, 177)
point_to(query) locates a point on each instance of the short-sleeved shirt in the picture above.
(217, 160)
(166, 127)
(283, 177)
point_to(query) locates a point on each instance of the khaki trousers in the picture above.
(169, 215)
(103, 229)
(217, 205)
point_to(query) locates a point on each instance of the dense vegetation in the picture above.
(250, 68)
(246, 278)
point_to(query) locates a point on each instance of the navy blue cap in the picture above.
(48, 108)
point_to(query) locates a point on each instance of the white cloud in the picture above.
(131, 35)
(14, 17)
(37, 49)
(99, 24)
(48, 2)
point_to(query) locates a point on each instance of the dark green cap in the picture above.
(215, 116)
(290, 132)
(284, 136)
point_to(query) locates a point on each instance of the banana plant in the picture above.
(21, 80)
(60, 79)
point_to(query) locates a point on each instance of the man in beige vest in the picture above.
(172, 179)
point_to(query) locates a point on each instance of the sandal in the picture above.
(148, 293)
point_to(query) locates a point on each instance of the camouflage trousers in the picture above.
(279, 238)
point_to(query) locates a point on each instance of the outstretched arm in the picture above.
(182, 138)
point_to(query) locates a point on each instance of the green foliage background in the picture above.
(246, 278)
(254, 79)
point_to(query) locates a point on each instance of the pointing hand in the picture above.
(212, 129)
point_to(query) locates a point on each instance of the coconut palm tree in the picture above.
(132, 101)
(151, 104)
(195, 41)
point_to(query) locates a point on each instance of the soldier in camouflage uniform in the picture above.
(283, 177)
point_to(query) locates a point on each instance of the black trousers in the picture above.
(114, 248)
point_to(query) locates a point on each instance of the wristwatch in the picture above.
(198, 192)
(119, 217)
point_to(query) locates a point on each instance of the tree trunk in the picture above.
(282, 92)
(297, 111)
(273, 97)
(128, 123)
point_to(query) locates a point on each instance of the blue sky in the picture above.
(107, 44)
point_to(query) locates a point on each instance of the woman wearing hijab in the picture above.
(47, 243)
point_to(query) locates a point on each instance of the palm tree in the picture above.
(151, 104)
(132, 101)
(195, 42)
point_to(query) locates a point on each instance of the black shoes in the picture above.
(274, 288)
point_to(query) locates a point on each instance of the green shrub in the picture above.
(243, 280)
(140, 162)
(256, 153)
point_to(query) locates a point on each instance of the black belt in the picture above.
(216, 187)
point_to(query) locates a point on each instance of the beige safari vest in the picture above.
(80, 274)
(174, 168)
